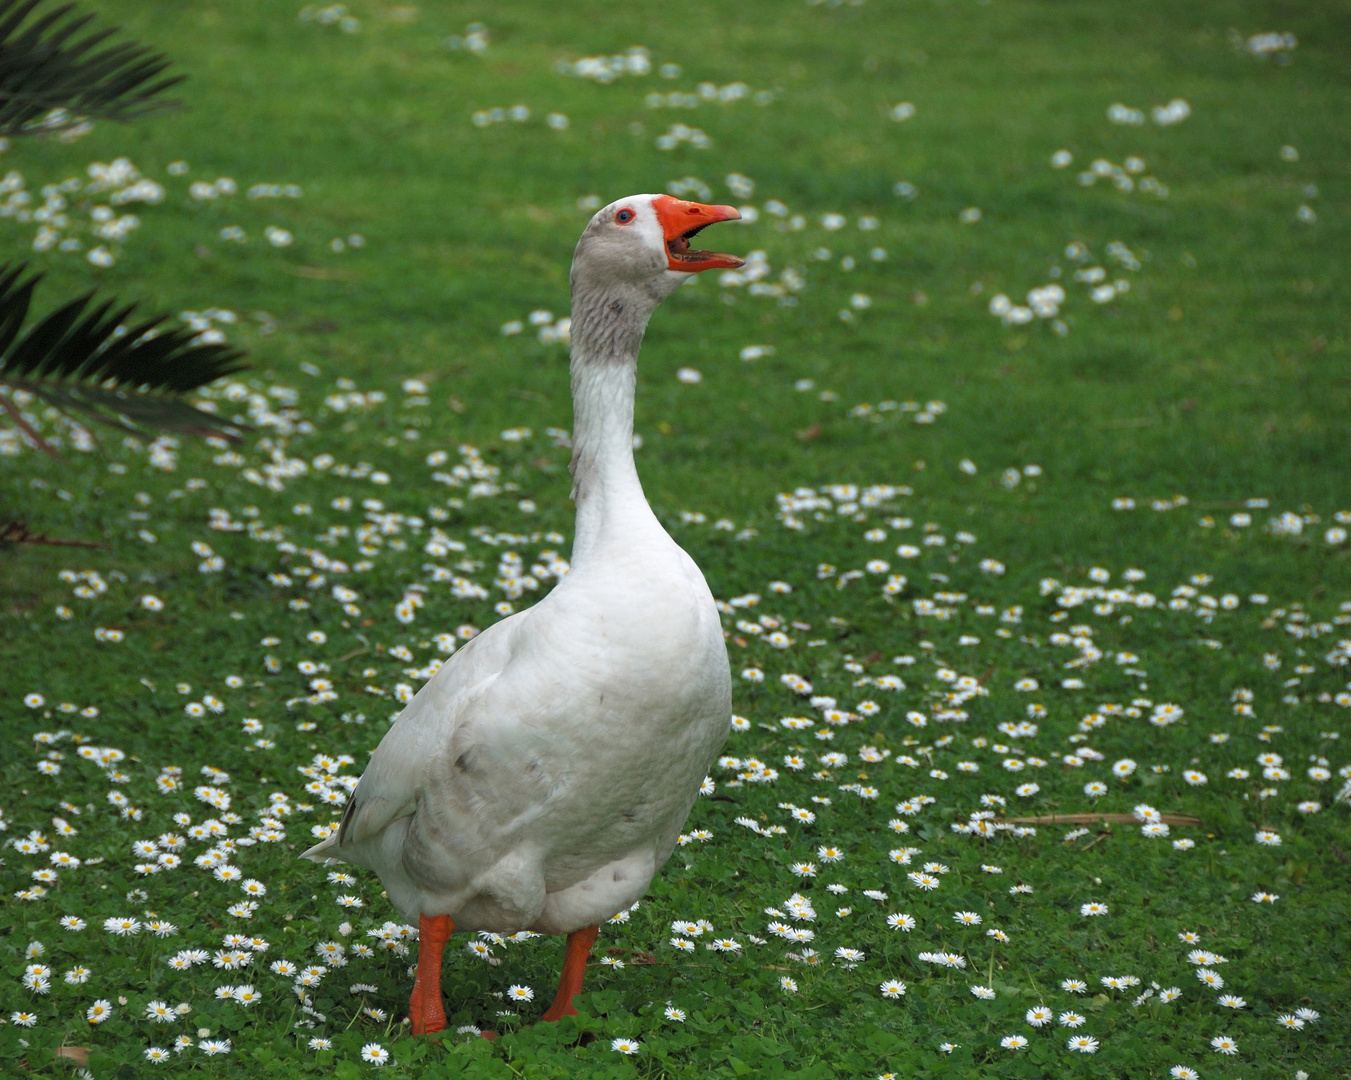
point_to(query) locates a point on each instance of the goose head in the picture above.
(642, 243)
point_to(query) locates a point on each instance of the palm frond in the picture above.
(84, 358)
(50, 81)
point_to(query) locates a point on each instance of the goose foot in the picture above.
(425, 1011)
(574, 968)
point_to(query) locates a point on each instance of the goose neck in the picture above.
(609, 497)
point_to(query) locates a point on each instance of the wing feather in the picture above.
(389, 788)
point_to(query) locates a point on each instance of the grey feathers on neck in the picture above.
(607, 330)
(608, 324)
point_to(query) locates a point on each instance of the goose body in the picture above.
(540, 779)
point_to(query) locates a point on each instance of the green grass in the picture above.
(1220, 376)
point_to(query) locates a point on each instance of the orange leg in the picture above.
(574, 968)
(425, 1010)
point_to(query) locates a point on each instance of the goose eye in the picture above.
(624, 216)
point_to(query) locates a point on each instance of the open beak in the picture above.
(680, 222)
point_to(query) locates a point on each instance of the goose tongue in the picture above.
(680, 222)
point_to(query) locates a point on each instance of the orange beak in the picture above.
(680, 221)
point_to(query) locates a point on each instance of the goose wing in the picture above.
(453, 709)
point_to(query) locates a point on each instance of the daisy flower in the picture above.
(1039, 1016)
(331, 951)
(944, 959)
(901, 921)
(520, 993)
(893, 988)
(625, 1046)
(672, 1013)
(1013, 1042)
(229, 959)
(375, 1054)
(1223, 1044)
(1083, 1044)
(98, 1012)
(985, 993)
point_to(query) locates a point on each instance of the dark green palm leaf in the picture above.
(42, 68)
(86, 359)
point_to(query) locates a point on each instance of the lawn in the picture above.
(982, 556)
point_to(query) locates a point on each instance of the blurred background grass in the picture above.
(1222, 374)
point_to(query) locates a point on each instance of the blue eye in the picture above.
(624, 217)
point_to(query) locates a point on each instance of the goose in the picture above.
(541, 777)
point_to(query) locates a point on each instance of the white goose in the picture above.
(540, 779)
